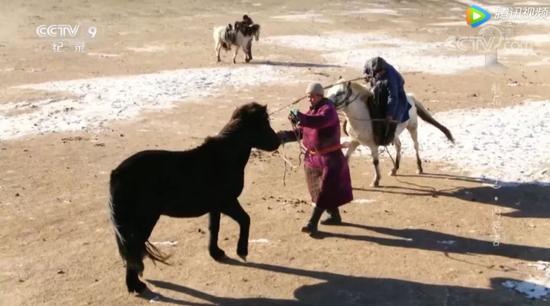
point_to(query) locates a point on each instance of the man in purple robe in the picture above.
(326, 168)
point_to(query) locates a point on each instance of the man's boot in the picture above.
(311, 226)
(334, 217)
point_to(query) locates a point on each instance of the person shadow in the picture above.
(529, 200)
(440, 242)
(344, 290)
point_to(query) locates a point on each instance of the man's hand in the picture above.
(293, 116)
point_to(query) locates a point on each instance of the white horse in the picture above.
(241, 38)
(351, 98)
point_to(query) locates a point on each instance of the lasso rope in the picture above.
(286, 161)
(305, 96)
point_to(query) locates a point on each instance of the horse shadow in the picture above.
(294, 64)
(339, 289)
(441, 242)
(528, 199)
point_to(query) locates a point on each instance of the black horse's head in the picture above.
(251, 122)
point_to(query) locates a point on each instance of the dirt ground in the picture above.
(58, 246)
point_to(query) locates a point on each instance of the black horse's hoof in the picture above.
(309, 228)
(242, 254)
(137, 287)
(218, 255)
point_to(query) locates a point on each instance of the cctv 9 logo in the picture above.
(62, 31)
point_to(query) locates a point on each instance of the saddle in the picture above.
(230, 34)
(383, 131)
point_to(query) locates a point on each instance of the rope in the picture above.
(286, 161)
(391, 157)
(303, 97)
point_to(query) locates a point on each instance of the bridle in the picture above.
(348, 98)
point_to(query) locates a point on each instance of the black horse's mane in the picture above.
(249, 112)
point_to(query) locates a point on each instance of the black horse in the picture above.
(206, 179)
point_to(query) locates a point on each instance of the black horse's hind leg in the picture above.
(237, 213)
(134, 266)
(214, 227)
(132, 281)
(136, 252)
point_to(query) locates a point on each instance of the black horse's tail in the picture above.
(425, 115)
(131, 249)
(155, 254)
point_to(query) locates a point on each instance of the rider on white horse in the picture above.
(387, 87)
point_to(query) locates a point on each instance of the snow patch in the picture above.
(261, 240)
(532, 288)
(92, 102)
(506, 144)
(363, 201)
(147, 49)
(303, 17)
(352, 49)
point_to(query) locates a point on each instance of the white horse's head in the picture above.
(339, 94)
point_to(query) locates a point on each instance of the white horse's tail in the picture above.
(426, 116)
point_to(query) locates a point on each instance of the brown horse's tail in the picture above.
(425, 115)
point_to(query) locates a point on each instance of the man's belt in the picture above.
(326, 150)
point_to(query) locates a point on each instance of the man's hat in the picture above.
(316, 89)
(374, 65)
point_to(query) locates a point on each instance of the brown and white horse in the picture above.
(351, 98)
(225, 37)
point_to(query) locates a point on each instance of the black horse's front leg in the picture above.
(215, 251)
(237, 213)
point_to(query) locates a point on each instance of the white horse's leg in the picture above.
(235, 55)
(218, 49)
(246, 50)
(413, 130)
(397, 144)
(352, 146)
(375, 162)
